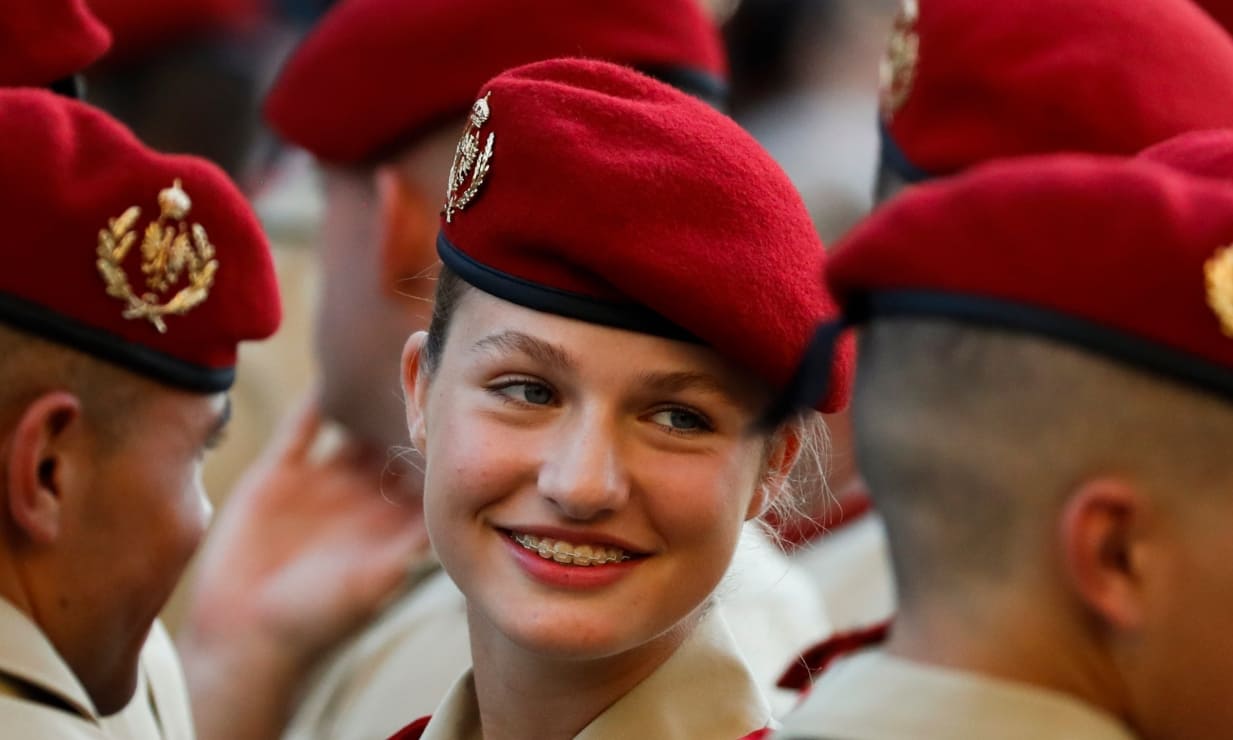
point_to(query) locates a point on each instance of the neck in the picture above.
(524, 695)
(1017, 634)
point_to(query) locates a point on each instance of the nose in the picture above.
(584, 475)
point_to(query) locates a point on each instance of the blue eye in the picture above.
(681, 420)
(535, 394)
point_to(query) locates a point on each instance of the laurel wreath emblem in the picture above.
(1218, 274)
(170, 249)
(470, 161)
(898, 67)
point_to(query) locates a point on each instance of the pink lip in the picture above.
(579, 577)
(578, 537)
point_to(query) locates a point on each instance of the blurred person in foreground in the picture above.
(1042, 406)
(967, 82)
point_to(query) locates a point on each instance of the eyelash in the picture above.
(704, 422)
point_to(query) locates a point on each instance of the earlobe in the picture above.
(1102, 531)
(36, 465)
(415, 388)
(408, 230)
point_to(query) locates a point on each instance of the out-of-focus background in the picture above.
(804, 79)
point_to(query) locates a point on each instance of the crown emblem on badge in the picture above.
(471, 161)
(170, 249)
(1218, 272)
(898, 67)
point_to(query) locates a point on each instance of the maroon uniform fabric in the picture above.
(68, 174)
(42, 41)
(613, 198)
(375, 73)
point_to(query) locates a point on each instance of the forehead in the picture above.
(482, 325)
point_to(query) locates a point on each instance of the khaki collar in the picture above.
(703, 691)
(876, 696)
(26, 655)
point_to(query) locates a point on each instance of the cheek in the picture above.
(701, 501)
(471, 463)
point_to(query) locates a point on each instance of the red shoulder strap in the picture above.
(412, 731)
(801, 674)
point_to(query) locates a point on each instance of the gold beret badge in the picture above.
(898, 67)
(170, 248)
(471, 162)
(1218, 272)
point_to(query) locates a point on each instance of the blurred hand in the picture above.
(305, 552)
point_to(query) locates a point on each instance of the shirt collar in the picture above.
(28, 656)
(703, 690)
(876, 696)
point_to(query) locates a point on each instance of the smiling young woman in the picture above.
(628, 281)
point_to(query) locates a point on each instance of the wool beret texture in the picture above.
(968, 81)
(1207, 153)
(151, 261)
(142, 27)
(375, 74)
(42, 41)
(590, 190)
(1129, 259)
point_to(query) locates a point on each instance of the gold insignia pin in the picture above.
(898, 67)
(1218, 272)
(471, 161)
(171, 248)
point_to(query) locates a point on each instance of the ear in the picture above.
(415, 388)
(1104, 540)
(38, 461)
(408, 229)
(784, 449)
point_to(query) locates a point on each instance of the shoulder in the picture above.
(413, 731)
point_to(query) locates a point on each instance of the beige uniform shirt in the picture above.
(29, 664)
(851, 569)
(703, 692)
(876, 696)
(403, 665)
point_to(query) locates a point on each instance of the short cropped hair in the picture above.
(31, 366)
(971, 439)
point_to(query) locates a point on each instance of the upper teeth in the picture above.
(569, 553)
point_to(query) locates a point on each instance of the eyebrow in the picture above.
(220, 423)
(537, 349)
(677, 382)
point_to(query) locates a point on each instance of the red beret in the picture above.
(1205, 153)
(42, 41)
(1129, 259)
(968, 81)
(151, 261)
(592, 191)
(142, 25)
(376, 73)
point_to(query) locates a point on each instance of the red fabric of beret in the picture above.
(197, 265)
(595, 192)
(142, 25)
(42, 41)
(374, 74)
(1126, 258)
(968, 81)
(1205, 153)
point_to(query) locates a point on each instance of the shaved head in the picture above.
(971, 440)
(31, 366)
